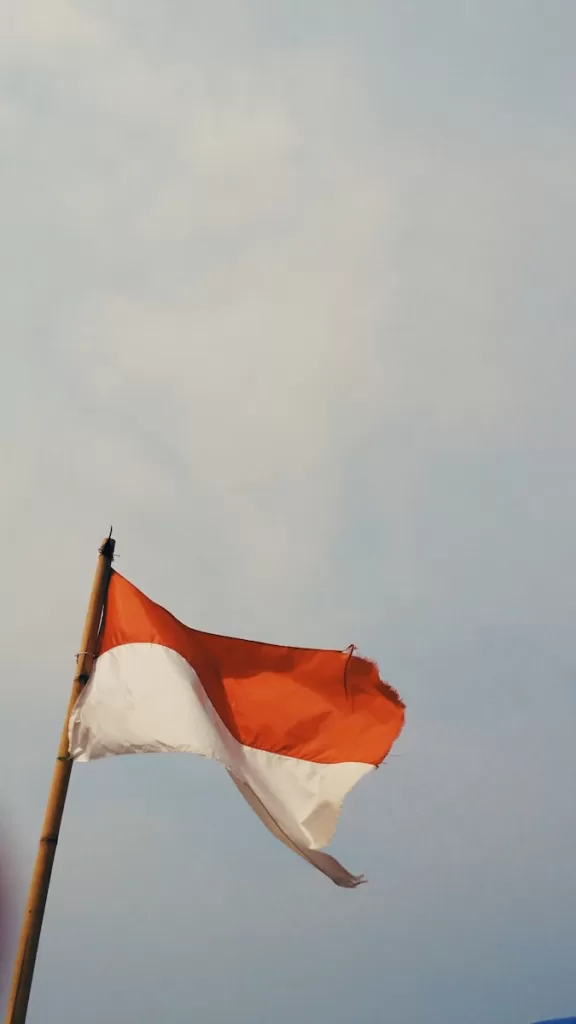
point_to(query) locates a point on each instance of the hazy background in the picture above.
(287, 296)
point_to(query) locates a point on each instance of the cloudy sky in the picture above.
(287, 296)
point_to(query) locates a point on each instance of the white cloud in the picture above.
(246, 293)
(33, 30)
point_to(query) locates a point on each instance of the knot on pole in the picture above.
(107, 549)
(83, 677)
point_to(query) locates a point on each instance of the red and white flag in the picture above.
(296, 729)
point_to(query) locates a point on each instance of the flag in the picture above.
(296, 729)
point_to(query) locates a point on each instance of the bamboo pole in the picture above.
(34, 913)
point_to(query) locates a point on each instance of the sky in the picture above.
(287, 297)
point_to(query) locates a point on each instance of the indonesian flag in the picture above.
(296, 729)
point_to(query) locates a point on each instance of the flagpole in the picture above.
(34, 913)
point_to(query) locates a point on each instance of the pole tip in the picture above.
(107, 547)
